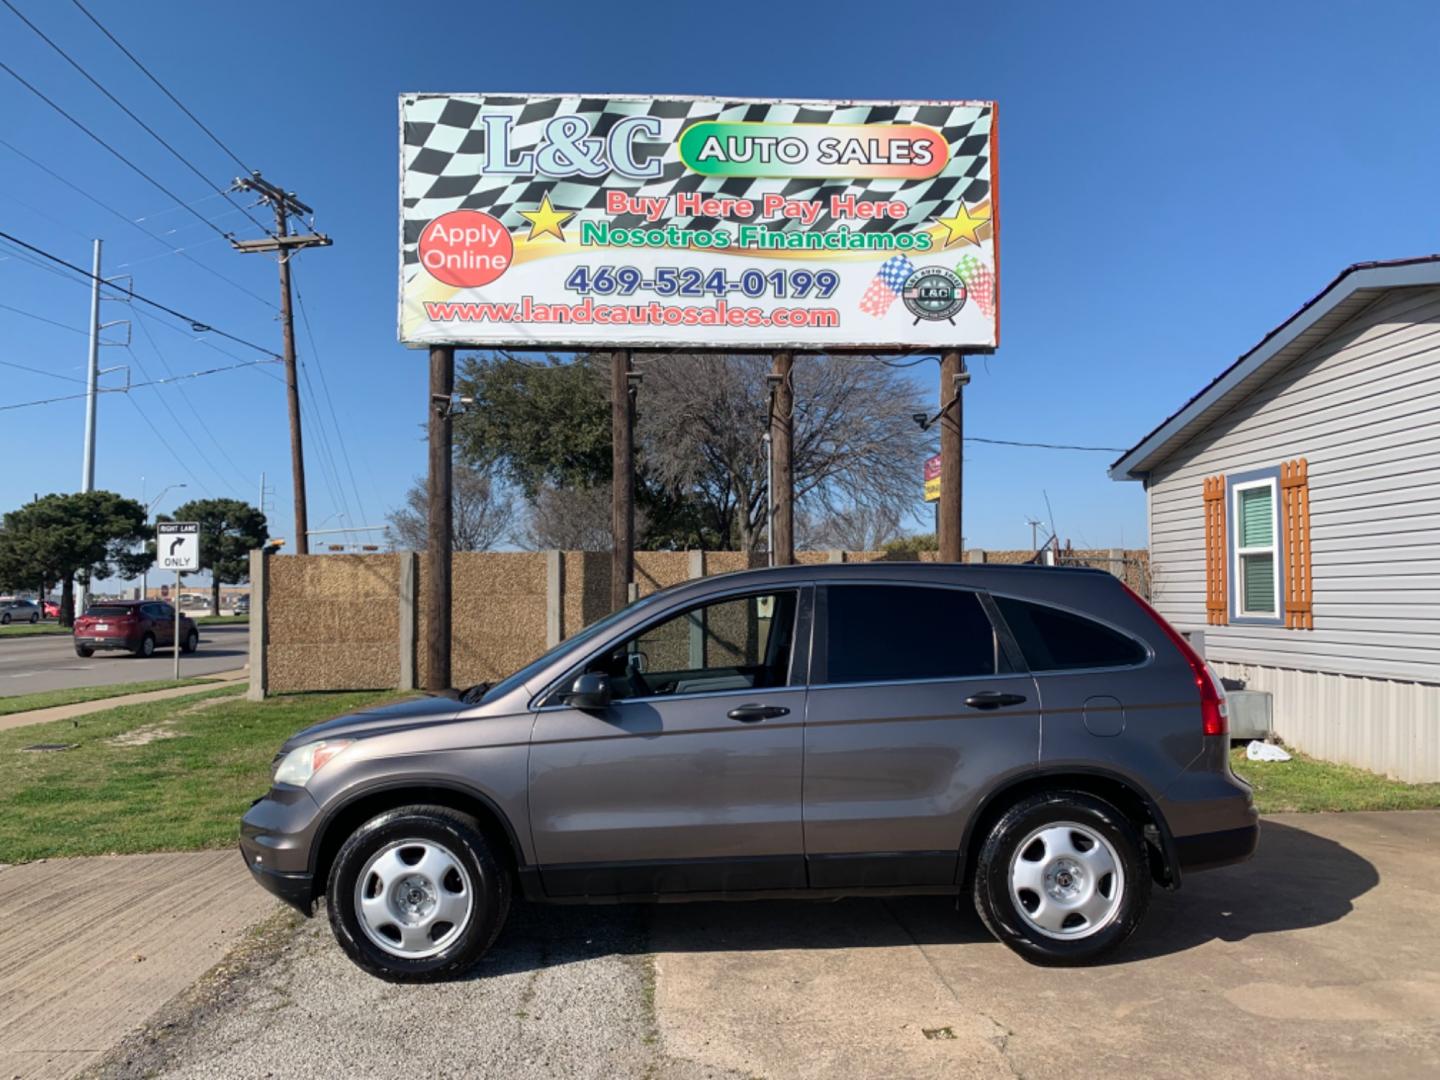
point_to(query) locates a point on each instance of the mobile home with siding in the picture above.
(1294, 515)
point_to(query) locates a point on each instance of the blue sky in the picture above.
(1174, 181)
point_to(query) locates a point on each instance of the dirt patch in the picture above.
(147, 734)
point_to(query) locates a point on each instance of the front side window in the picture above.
(1054, 640)
(878, 633)
(1257, 584)
(739, 643)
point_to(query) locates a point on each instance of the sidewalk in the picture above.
(91, 948)
(83, 708)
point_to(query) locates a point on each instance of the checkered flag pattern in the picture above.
(885, 288)
(444, 154)
(979, 282)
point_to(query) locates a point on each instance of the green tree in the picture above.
(57, 537)
(229, 530)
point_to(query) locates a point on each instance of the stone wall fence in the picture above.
(355, 622)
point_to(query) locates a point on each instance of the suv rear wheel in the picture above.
(1063, 878)
(146, 648)
(417, 895)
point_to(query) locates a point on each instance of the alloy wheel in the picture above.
(1066, 880)
(413, 898)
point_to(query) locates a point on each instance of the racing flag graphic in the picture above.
(885, 289)
(979, 282)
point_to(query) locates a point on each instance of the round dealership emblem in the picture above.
(933, 292)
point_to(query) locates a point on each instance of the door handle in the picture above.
(749, 714)
(993, 699)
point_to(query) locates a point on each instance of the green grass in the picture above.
(183, 792)
(39, 629)
(222, 620)
(49, 698)
(1305, 784)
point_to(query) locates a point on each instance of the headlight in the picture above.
(300, 764)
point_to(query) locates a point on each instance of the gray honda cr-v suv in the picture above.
(1038, 738)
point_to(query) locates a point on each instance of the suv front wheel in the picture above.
(1062, 878)
(416, 894)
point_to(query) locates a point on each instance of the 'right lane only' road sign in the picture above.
(177, 545)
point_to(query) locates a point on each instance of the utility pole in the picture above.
(953, 378)
(285, 204)
(439, 518)
(622, 478)
(782, 430)
(92, 377)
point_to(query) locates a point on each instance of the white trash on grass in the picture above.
(1264, 751)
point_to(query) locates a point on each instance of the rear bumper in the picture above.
(1204, 851)
(98, 643)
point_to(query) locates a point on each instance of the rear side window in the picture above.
(881, 632)
(1055, 640)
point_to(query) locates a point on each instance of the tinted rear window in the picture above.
(1055, 640)
(879, 632)
(108, 609)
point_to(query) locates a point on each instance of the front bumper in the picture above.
(275, 841)
(295, 889)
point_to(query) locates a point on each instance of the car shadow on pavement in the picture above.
(1296, 880)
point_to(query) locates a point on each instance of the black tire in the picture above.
(146, 648)
(84, 650)
(1004, 918)
(34, 618)
(461, 835)
(5, 619)
(192, 642)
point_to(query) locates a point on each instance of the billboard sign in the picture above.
(932, 478)
(585, 220)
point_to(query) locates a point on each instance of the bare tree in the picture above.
(858, 528)
(702, 418)
(484, 513)
(571, 519)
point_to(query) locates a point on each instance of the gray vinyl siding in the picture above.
(1363, 406)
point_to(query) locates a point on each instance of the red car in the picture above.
(137, 626)
(51, 609)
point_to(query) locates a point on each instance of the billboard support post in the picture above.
(439, 515)
(952, 433)
(622, 480)
(782, 430)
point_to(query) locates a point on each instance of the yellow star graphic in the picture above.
(962, 226)
(546, 220)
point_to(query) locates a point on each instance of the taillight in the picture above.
(1213, 718)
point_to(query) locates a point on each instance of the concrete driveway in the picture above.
(1320, 958)
(29, 665)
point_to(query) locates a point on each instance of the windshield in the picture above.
(594, 630)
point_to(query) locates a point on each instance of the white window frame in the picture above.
(1272, 548)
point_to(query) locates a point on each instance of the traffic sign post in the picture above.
(177, 547)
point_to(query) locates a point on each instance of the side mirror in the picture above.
(589, 691)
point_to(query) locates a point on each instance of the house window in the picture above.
(1256, 548)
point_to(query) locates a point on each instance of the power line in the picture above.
(133, 386)
(195, 324)
(178, 425)
(1045, 445)
(179, 104)
(156, 183)
(42, 318)
(163, 442)
(330, 403)
(128, 112)
(207, 428)
(135, 224)
(42, 371)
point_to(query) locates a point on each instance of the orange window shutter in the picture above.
(1217, 604)
(1295, 536)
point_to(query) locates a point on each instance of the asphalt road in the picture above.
(29, 665)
